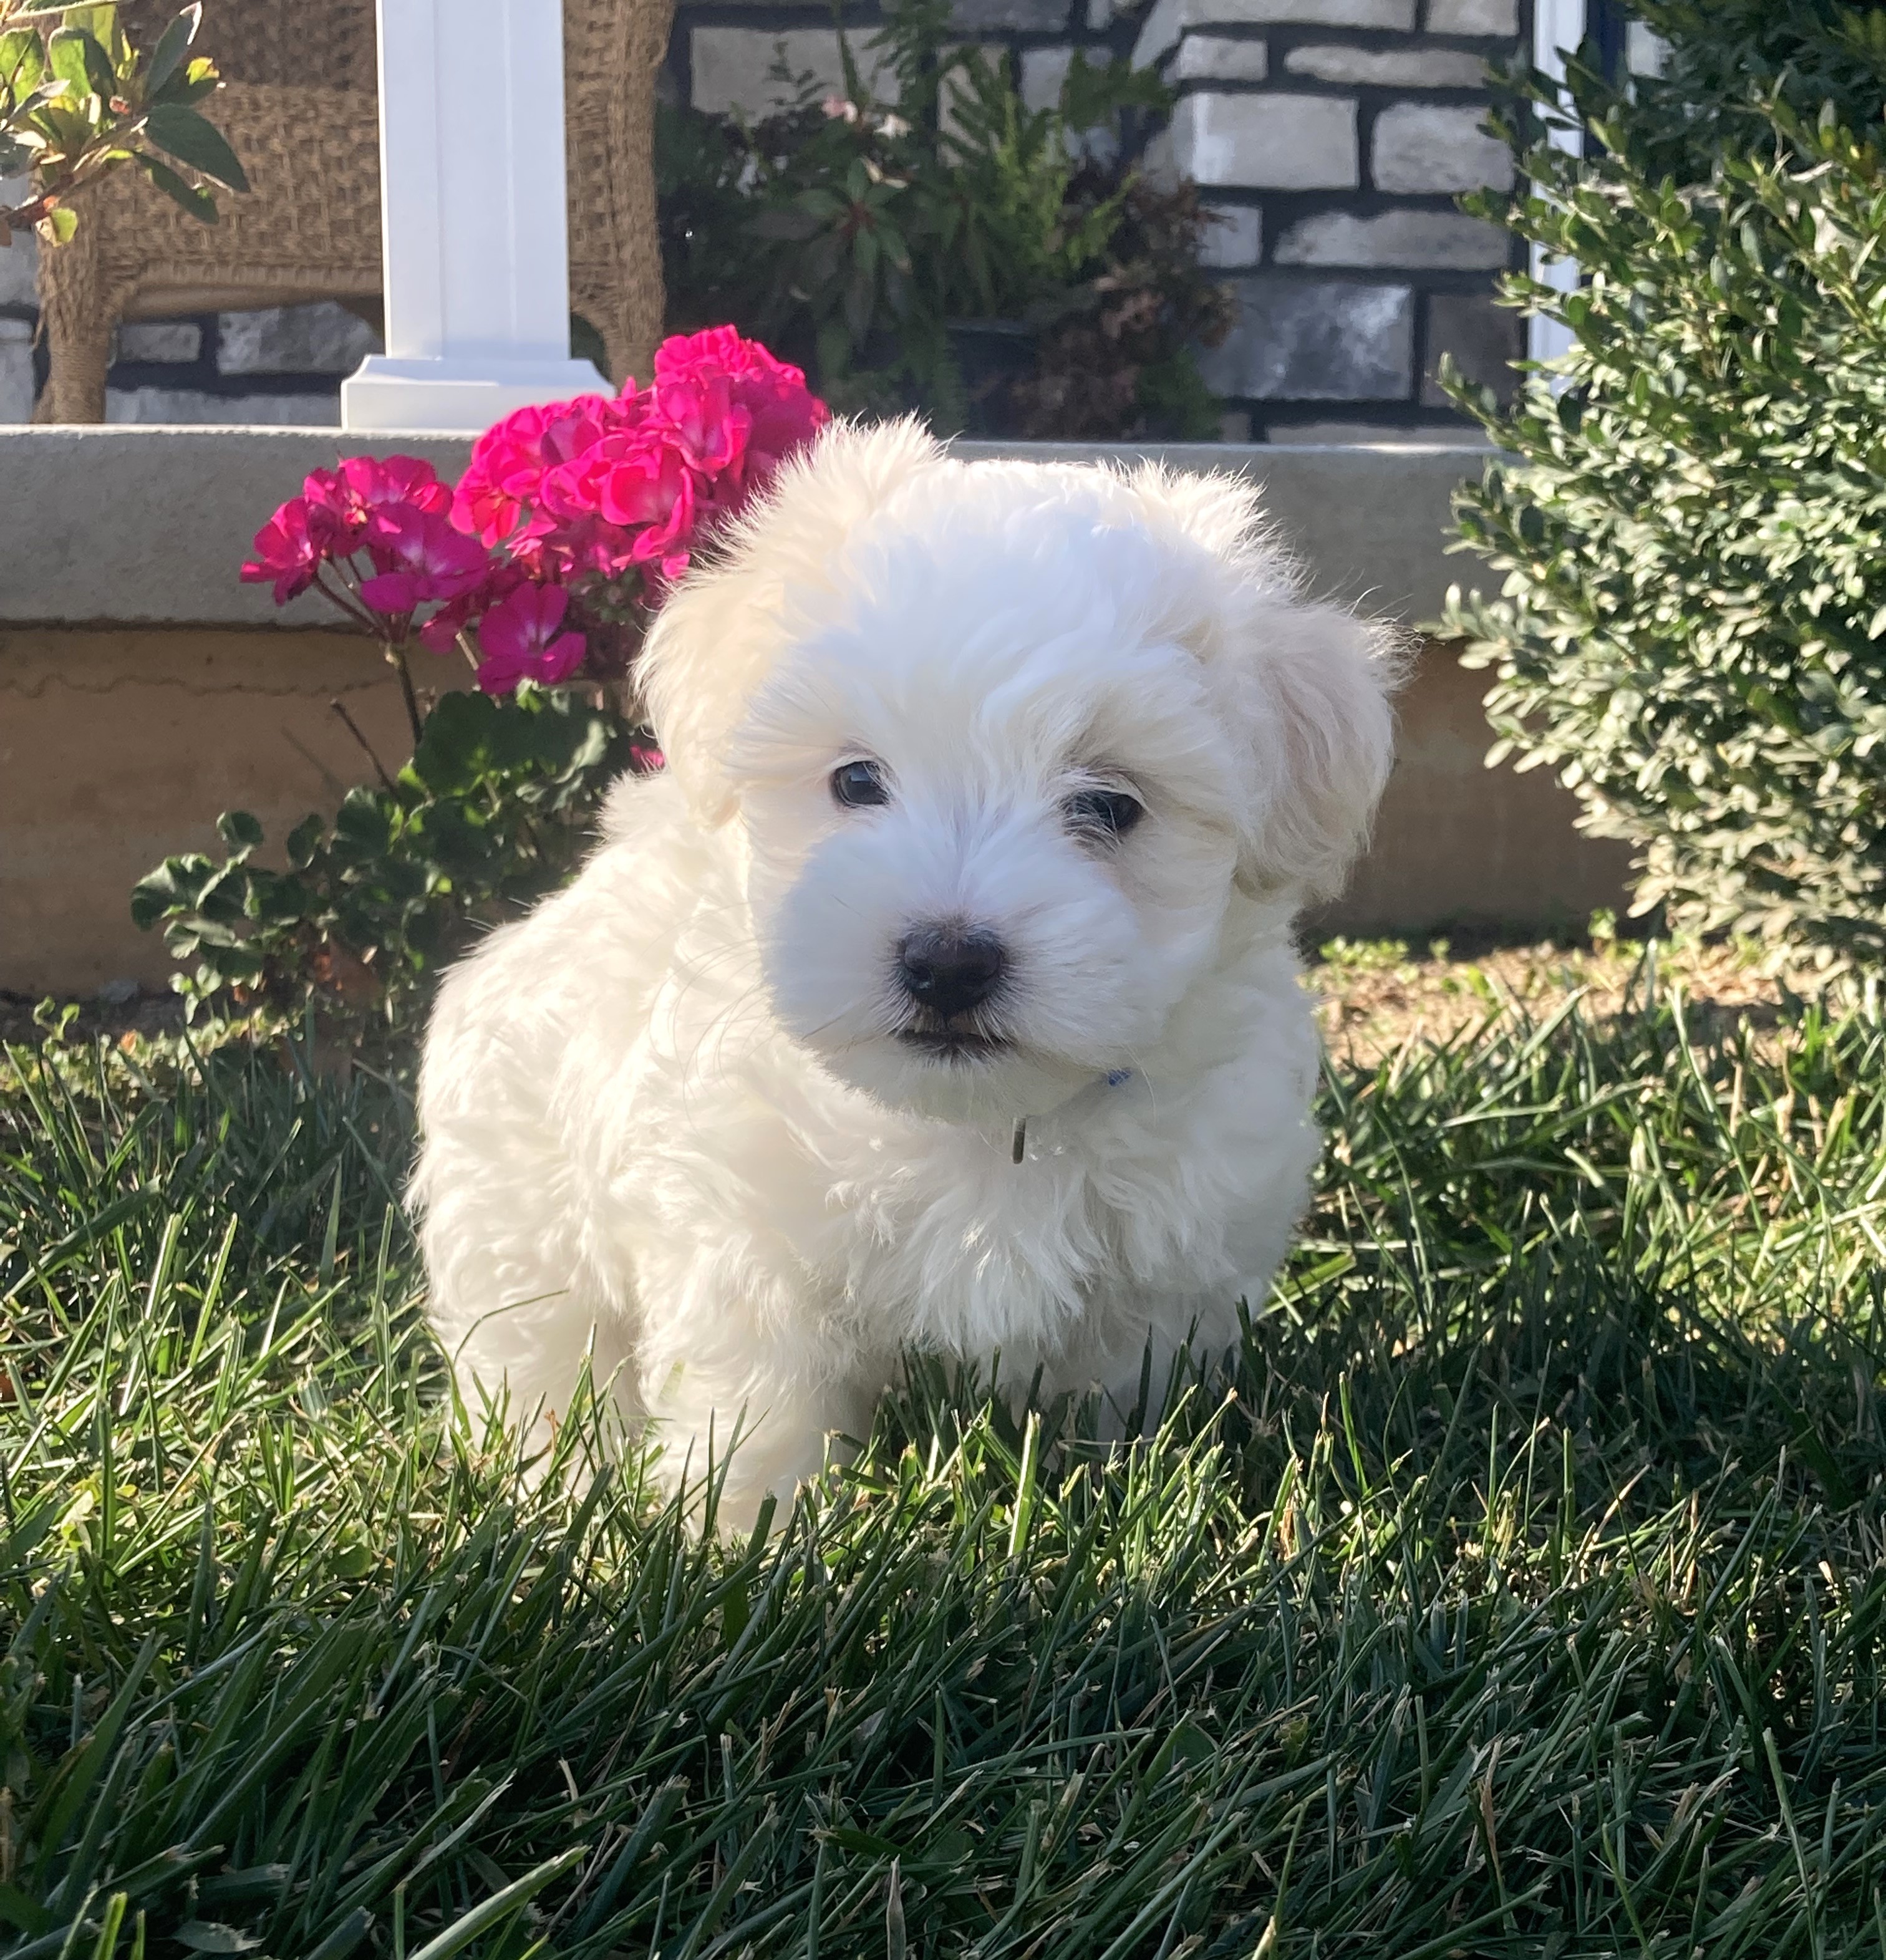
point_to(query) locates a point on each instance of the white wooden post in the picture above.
(474, 218)
(1557, 25)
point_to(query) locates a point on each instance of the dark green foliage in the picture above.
(1693, 629)
(1525, 1600)
(875, 243)
(1729, 58)
(1118, 359)
(492, 814)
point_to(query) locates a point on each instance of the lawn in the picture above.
(1522, 1595)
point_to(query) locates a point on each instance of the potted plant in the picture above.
(940, 250)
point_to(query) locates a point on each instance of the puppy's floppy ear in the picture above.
(1305, 688)
(716, 639)
(1324, 739)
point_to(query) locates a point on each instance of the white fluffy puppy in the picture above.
(991, 790)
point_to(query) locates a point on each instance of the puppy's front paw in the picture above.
(729, 1470)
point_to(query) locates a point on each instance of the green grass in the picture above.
(1524, 1596)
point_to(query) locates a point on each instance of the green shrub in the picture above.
(1693, 628)
(1728, 59)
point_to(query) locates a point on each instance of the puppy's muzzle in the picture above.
(947, 973)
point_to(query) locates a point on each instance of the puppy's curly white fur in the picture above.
(991, 791)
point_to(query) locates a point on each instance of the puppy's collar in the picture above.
(1114, 1078)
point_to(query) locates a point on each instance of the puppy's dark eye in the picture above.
(1106, 815)
(858, 785)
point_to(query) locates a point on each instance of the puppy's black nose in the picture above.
(949, 969)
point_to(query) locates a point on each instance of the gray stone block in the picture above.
(19, 262)
(15, 371)
(160, 340)
(1307, 340)
(1043, 74)
(1155, 162)
(1170, 18)
(323, 339)
(1442, 240)
(1234, 239)
(1389, 68)
(1026, 17)
(1428, 147)
(190, 407)
(1267, 142)
(1484, 339)
(1218, 58)
(976, 16)
(1646, 52)
(1474, 17)
(735, 67)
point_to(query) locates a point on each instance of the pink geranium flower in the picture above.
(586, 548)
(782, 413)
(292, 548)
(353, 494)
(711, 428)
(521, 640)
(511, 460)
(573, 516)
(419, 557)
(644, 484)
(371, 481)
(502, 578)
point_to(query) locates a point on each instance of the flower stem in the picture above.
(353, 729)
(344, 599)
(396, 655)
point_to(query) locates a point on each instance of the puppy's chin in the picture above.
(968, 1083)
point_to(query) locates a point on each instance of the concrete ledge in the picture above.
(147, 526)
(143, 689)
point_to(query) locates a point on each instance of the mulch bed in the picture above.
(1375, 998)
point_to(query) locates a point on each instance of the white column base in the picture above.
(456, 396)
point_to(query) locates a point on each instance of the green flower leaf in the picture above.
(198, 203)
(172, 45)
(182, 133)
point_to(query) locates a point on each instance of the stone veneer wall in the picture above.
(1333, 138)
(1330, 135)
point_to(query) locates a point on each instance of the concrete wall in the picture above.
(119, 746)
(1458, 846)
(143, 690)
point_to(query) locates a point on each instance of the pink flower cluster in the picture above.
(568, 517)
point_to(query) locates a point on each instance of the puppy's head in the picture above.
(1000, 741)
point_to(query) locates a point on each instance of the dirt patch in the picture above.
(1373, 998)
(116, 1015)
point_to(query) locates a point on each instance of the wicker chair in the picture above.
(309, 229)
